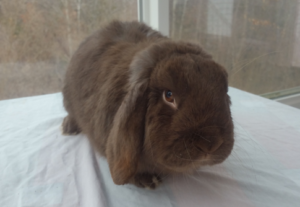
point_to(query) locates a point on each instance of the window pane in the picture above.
(258, 41)
(38, 38)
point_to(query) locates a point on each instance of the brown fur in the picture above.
(113, 93)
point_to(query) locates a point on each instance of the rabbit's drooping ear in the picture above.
(126, 137)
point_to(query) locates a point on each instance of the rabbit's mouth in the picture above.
(192, 156)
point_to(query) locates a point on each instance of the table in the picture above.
(41, 167)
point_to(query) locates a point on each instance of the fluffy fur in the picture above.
(113, 94)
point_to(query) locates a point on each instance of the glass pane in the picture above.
(38, 38)
(258, 41)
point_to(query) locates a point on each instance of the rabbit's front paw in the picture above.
(146, 180)
(69, 126)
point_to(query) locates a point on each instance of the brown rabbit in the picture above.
(150, 105)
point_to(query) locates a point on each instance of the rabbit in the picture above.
(151, 105)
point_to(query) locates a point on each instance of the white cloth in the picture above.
(41, 167)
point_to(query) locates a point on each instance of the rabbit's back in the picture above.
(97, 76)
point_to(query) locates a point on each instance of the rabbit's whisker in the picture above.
(199, 149)
(212, 127)
(188, 153)
(198, 135)
(182, 157)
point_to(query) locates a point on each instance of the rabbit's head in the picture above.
(176, 112)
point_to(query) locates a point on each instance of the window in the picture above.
(258, 41)
(38, 37)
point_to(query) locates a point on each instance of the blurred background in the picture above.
(258, 41)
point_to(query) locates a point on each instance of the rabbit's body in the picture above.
(97, 77)
(114, 94)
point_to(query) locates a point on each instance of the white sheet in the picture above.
(40, 167)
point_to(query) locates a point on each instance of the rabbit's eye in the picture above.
(169, 99)
(169, 96)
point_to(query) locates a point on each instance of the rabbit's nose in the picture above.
(209, 146)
